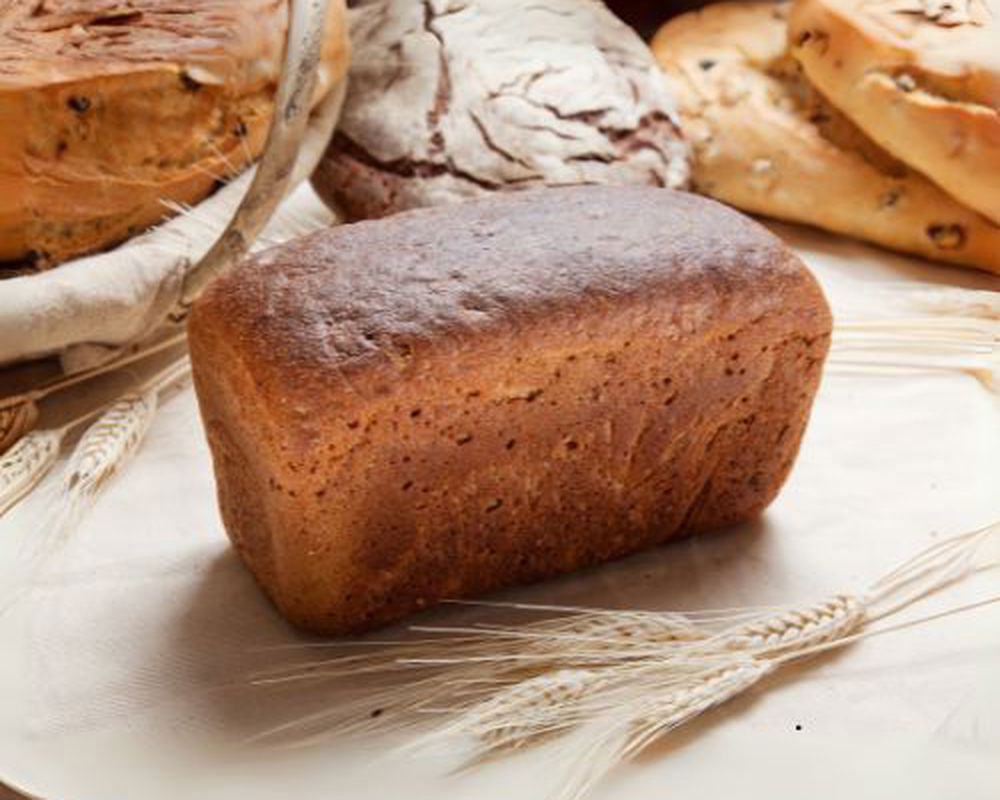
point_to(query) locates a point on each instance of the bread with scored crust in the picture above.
(109, 110)
(466, 397)
(450, 101)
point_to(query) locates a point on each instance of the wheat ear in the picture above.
(608, 683)
(33, 455)
(100, 453)
(106, 444)
(112, 440)
(26, 463)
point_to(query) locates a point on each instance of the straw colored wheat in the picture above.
(103, 449)
(25, 464)
(601, 684)
(108, 443)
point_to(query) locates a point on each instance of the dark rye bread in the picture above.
(450, 101)
(460, 398)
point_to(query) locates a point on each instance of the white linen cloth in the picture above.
(88, 308)
(128, 676)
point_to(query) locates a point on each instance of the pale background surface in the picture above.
(127, 677)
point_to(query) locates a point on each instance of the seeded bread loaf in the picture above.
(765, 141)
(108, 110)
(456, 399)
(920, 77)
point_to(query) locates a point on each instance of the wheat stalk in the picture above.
(952, 330)
(605, 684)
(26, 463)
(964, 343)
(102, 450)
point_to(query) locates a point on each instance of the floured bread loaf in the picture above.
(108, 109)
(765, 141)
(920, 77)
(450, 101)
(471, 396)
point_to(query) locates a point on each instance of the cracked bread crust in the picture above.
(461, 398)
(449, 101)
(765, 141)
(108, 110)
(920, 77)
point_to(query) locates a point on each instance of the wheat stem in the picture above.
(608, 683)
(65, 382)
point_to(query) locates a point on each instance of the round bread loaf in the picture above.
(920, 77)
(450, 101)
(109, 109)
(765, 141)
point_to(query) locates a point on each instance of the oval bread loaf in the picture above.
(460, 398)
(449, 101)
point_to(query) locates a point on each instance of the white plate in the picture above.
(127, 679)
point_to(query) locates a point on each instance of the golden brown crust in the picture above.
(461, 398)
(107, 112)
(765, 141)
(921, 78)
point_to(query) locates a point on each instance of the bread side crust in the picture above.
(766, 143)
(490, 462)
(927, 92)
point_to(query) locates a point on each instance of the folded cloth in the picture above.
(85, 310)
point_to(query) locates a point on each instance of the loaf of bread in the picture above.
(450, 101)
(110, 109)
(466, 397)
(920, 77)
(765, 141)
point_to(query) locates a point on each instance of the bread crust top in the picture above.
(308, 314)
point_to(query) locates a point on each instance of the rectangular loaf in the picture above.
(457, 399)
